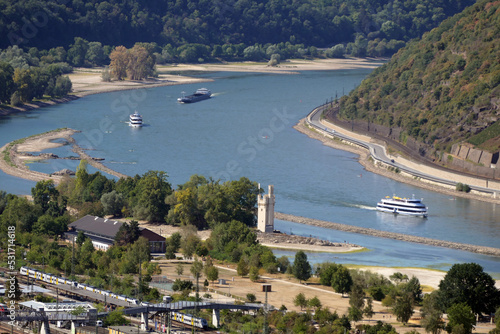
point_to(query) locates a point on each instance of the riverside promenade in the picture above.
(389, 235)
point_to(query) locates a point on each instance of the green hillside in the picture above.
(440, 90)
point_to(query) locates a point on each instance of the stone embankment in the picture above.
(282, 238)
(389, 235)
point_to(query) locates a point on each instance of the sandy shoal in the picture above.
(45, 141)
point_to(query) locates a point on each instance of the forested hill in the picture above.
(320, 23)
(440, 90)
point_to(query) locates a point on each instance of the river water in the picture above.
(246, 130)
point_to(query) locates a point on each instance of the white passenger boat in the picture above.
(135, 119)
(405, 206)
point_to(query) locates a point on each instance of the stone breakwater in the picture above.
(282, 238)
(389, 235)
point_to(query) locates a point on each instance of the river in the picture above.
(246, 130)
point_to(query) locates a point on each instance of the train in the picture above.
(189, 319)
(49, 278)
(184, 318)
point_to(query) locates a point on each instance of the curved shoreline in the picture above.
(367, 163)
(12, 159)
(389, 235)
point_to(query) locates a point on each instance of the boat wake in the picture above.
(364, 207)
(359, 206)
(123, 162)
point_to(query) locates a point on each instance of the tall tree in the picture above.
(119, 62)
(460, 315)
(341, 280)
(141, 63)
(301, 267)
(153, 189)
(468, 283)
(432, 316)
(6, 82)
(44, 192)
(403, 307)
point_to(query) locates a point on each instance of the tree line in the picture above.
(310, 22)
(23, 78)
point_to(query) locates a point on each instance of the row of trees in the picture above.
(23, 85)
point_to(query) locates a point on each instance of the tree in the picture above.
(251, 298)
(127, 233)
(140, 63)
(413, 287)
(254, 274)
(116, 318)
(119, 62)
(112, 203)
(86, 253)
(314, 303)
(6, 82)
(368, 310)
(196, 270)
(24, 84)
(212, 273)
(326, 271)
(77, 51)
(179, 269)
(432, 317)
(242, 267)
(341, 280)
(403, 308)
(356, 302)
(354, 314)
(460, 314)
(152, 188)
(399, 277)
(468, 283)
(95, 54)
(43, 192)
(301, 267)
(300, 300)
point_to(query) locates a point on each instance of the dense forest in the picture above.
(320, 23)
(439, 90)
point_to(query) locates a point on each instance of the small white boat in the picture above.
(405, 206)
(135, 119)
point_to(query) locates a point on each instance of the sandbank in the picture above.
(291, 66)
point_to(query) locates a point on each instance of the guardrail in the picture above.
(376, 158)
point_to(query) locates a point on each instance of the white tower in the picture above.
(265, 215)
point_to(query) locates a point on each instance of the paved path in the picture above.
(378, 152)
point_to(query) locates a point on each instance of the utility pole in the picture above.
(265, 314)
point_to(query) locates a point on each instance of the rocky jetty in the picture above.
(390, 235)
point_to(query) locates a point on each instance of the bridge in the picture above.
(166, 308)
(30, 315)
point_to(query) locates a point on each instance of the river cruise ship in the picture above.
(135, 119)
(405, 206)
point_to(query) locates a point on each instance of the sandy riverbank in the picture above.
(87, 81)
(15, 164)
